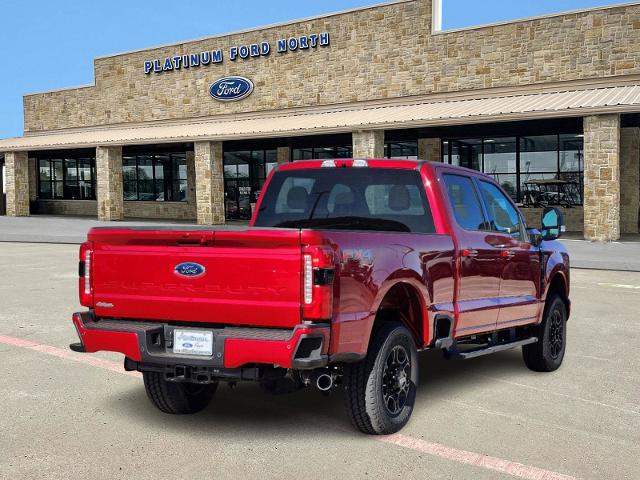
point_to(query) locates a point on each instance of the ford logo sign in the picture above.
(229, 89)
(189, 269)
(187, 345)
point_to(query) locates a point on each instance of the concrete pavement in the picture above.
(64, 418)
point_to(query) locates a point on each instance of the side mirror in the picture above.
(552, 223)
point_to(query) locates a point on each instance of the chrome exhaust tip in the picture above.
(324, 382)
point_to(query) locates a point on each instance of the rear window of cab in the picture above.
(347, 199)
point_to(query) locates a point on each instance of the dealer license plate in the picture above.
(193, 342)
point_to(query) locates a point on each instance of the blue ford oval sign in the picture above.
(189, 269)
(229, 89)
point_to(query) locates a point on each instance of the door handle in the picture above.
(469, 252)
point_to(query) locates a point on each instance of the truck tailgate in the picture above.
(250, 277)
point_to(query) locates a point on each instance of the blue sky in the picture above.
(49, 44)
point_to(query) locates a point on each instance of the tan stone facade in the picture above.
(375, 53)
(209, 183)
(109, 183)
(368, 144)
(17, 171)
(602, 177)
(430, 149)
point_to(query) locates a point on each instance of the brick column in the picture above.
(368, 144)
(629, 179)
(209, 183)
(283, 155)
(17, 171)
(430, 149)
(109, 183)
(602, 177)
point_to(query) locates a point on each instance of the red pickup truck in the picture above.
(348, 269)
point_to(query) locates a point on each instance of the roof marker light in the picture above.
(328, 164)
(360, 163)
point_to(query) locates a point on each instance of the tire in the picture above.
(175, 397)
(373, 407)
(547, 353)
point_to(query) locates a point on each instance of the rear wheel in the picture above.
(381, 389)
(547, 353)
(175, 397)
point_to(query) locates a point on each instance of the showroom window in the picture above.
(160, 177)
(401, 150)
(319, 153)
(66, 178)
(245, 172)
(534, 170)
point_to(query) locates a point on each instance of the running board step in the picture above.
(454, 353)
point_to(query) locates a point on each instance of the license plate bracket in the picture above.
(193, 342)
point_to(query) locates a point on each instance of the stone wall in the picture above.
(17, 173)
(67, 207)
(430, 149)
(629, 179)
(375, 53)
(109, 183)
(160, 210)
(368, 144)
(209, 183)
(602, 177)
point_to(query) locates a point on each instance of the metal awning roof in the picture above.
(576, 102)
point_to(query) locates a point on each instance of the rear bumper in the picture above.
(303, 347)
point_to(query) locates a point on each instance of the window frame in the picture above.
(524, 237)
(65, 182)
(447, 146)
(476, 192)
(172, 181)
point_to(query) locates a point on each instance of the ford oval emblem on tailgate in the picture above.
(189, 269)
(229, 89)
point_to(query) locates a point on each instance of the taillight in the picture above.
(318, 270)
(85, 269)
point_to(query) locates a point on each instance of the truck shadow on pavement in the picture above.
(245, 411)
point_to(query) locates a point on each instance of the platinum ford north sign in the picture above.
(243, 52)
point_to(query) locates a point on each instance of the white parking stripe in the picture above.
(620, 285)
(475, 459)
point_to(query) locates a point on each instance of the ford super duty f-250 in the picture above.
(348, 270)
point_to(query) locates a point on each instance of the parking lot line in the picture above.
(476, 459)
(66, 354)
(460, 456)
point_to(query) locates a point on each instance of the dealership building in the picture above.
(549, 106)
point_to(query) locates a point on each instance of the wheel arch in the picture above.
(405, 300)
(558, 284)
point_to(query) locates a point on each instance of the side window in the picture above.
(464, 200)
(503, 216)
